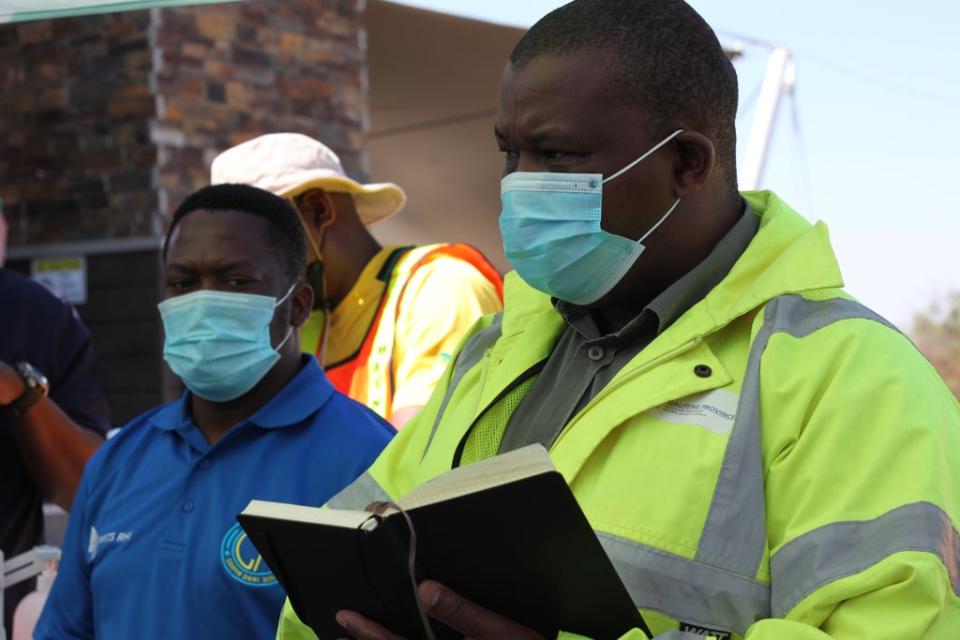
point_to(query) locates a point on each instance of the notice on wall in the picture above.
(67, 277)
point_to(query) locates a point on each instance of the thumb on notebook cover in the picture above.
(469, 618)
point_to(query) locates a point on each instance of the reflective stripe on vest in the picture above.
(343, 373)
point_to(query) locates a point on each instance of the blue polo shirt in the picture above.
(153, 549)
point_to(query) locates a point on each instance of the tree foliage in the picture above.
(936, 332)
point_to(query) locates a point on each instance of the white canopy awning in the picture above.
(24, 10)
(434, 87)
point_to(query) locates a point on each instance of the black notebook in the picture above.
(506, 533)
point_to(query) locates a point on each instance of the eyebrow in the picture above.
(545, 134)
(240, 264)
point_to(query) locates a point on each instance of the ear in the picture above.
(317, 206)
(696, 159)
(301, 302)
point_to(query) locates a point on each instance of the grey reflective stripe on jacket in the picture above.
(470, 355)
(718, 588)
(359, 493)
(843, 549)
(734, 536)
(685, 589)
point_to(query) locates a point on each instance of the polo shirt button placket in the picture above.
(188, 506)
(596, 353)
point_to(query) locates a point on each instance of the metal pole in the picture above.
(778, 80)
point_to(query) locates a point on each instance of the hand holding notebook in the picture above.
(452, 610)
(505, 533)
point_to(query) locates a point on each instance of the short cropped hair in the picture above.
(285, 229)
(664, 58)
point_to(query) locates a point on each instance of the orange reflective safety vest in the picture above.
(368, 376)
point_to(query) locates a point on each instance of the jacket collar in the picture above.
(788, 255)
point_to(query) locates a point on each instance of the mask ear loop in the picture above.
(644, 156)
(284, 341)
(659, 222)
(325, 304)
(280, 302)
(285, 296)
(306, 231)
(378, 509)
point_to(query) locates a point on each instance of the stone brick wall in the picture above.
(108, 121)
(76, 160)
(227, 73)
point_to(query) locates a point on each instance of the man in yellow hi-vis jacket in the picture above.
(761, 456)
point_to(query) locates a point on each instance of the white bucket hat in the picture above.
(287, 164)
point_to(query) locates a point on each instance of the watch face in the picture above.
(33, 377)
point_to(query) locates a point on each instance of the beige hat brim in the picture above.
(374, 201)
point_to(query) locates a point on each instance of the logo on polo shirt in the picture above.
(98, 539)
(242, 561)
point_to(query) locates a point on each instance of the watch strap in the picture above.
(30, 396)
(34, 388)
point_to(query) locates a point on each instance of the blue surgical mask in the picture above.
(218, 342)
(552, 236)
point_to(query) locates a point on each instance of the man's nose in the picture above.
(529, 161)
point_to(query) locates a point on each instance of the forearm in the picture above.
(54, 449)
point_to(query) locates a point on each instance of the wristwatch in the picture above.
(35, 387)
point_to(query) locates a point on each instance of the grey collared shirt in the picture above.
(585, 360)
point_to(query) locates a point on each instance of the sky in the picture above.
(869, 142)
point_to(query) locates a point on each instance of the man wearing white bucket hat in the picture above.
(386, 318)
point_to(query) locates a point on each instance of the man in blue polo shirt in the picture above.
(153, 549)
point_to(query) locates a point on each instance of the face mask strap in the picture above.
(285, 339)
(306, 231)
(280, 302)
(286, 295)
(660, 221)
(643, 157)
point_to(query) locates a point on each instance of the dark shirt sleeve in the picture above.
(74, 384)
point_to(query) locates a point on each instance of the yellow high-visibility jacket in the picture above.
(779, 464)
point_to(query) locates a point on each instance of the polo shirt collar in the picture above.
(302, 397)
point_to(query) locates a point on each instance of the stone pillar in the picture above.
(108, 121)
(76, 158)
(225, 74)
